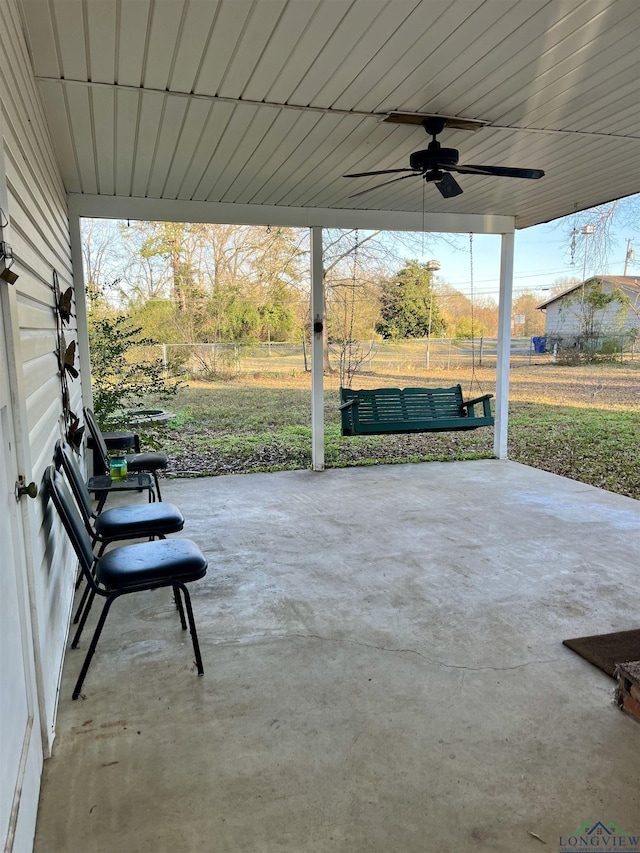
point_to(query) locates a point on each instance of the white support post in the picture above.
(81, 309)
(504, 346)
(317, 378)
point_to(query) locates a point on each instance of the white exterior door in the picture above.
(20, 743)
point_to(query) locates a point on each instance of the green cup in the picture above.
(118, 468)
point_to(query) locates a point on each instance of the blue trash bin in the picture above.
(539, 343)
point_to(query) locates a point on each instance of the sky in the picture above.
(542, 255)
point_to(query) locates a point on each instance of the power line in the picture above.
(520, 276)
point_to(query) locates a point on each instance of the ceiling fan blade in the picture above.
(386, 183)
(380, 172)
(448, 186)
(497, 171)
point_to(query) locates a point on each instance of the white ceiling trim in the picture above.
(310, 108)
(173, 210)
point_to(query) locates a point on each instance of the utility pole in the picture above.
(429, 330)
(629, 256)
(432, 266)
(587, 230)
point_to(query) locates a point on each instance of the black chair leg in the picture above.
(85, 592)
(155, 477)
(192, 628)
(83, 619)
(83, 599)
(93, 644)
(178, 600)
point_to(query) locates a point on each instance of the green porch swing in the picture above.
(382, 411)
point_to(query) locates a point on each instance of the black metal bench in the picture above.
(405, 410)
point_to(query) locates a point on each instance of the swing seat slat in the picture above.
(405, 410)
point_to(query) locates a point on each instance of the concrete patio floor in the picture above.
(384, 672)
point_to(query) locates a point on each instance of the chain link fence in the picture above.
(209, 361)
(568, 349)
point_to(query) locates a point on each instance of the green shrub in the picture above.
(118, 376)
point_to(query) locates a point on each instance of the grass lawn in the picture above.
(580, 422)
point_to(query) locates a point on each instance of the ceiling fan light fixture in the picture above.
(433, 157)
(452, 122)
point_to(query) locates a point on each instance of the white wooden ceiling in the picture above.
(270, 102)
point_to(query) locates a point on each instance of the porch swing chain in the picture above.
(353, 299)
(473, 321)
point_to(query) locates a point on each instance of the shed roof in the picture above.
(629, 283)
(261, 107)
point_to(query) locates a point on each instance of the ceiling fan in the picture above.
(436, 163)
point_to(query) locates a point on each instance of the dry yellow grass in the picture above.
(581, 422)
(613, 387)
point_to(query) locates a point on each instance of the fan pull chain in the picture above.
(424, 188)
(347, 355)
(353, 296)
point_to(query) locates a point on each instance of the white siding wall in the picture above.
(563, 317)
(39, 235)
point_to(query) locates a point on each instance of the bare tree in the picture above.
(559, 285)
(102, 257)
(525, 306)
(592, 234)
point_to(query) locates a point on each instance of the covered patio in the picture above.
(384, 670)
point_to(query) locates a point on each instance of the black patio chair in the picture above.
(127, 569)
(151, 461)
(134, 521)
(137, 521)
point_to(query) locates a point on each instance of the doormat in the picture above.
(607, 650)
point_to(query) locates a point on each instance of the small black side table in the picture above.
(103, 485)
